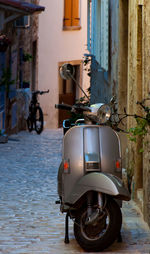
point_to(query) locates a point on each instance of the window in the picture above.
(71, 15)
(98, 32)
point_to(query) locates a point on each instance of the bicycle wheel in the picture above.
(39, 120)
(29, 124)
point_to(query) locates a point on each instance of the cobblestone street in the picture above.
(30, 221)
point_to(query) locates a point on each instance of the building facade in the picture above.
(138, 88)
(127, 77)
(62, 39)
(18, 25)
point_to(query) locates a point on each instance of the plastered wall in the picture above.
(55, 46)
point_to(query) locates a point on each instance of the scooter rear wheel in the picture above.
(103, 233)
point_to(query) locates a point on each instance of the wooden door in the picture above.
(67, 95)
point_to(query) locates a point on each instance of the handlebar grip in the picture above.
(63, 106)
(42, 92)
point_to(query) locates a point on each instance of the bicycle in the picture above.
(35, 120)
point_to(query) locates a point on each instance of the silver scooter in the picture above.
(90, 188)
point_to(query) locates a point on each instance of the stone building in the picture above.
(138, 88)
(127, 77)
(133, 80)
(18, 62)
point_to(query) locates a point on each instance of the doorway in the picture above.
(68, 91)
(34, 65)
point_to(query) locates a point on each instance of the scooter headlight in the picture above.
(104, 113)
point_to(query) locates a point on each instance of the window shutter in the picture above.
(104, 34)
(75, 13)
(98, 29)
(67, 12)
(99, 32)
(89, 26)
(93, 27)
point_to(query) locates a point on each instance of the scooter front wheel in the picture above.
(102, 233)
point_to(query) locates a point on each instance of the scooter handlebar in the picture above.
(42, 92)
(63, 106)
(74, 108)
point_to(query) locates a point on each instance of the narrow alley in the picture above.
(30, 221)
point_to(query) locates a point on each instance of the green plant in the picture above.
(27, 57)
(142, 125)
(6, 79)
(82, 101)
(87, 64)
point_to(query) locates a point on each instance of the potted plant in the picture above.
(6, 79)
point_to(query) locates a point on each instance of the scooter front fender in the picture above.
(100, 182)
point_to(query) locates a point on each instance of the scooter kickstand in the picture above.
(67, 228)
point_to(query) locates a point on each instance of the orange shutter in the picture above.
(75, 13)
(67, 12)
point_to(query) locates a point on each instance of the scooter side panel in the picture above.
(73, 153)
(100, 182)
(110, 150)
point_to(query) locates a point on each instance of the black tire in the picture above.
(59, 179)
(39, 120)
(65, 130)
(89, 238)
(29, 124)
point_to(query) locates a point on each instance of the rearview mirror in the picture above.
(67, 71)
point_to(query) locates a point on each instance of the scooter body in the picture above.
(92, 159)
(90, 185)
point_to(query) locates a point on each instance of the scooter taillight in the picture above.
(118, 165)
(66, 167)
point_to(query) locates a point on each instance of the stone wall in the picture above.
(146, 91)
(136, 75)
(27, 38)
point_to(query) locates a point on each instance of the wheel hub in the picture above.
(96, 226)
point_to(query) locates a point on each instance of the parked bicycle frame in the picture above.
(35, 120)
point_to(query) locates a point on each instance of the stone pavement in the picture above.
(30, 221)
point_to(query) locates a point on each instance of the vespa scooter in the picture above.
(90, 188)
